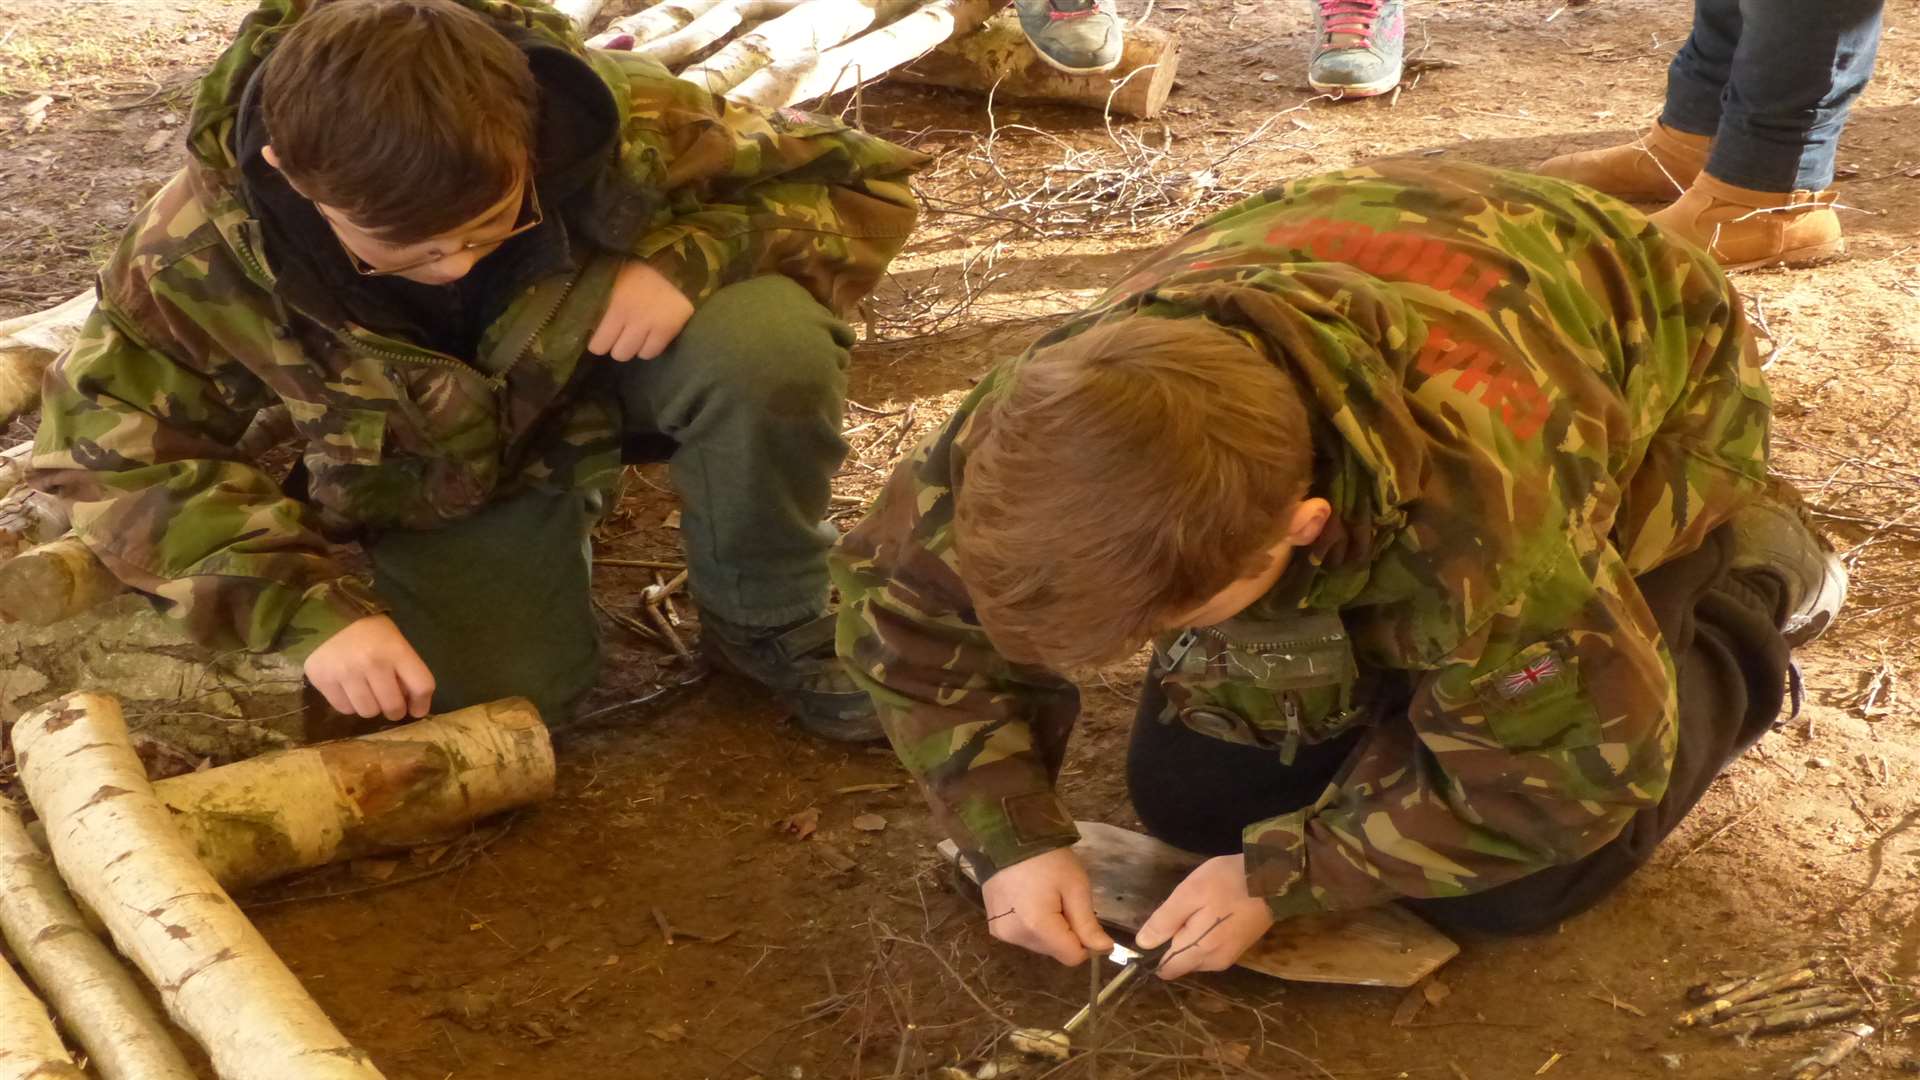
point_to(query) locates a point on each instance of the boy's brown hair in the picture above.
(413, 117)
(1126, 475)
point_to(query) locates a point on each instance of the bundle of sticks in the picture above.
(1786, 998)
(152, 863)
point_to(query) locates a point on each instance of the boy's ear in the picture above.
(1308, 519)
(271, 158)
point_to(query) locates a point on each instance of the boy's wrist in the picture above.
(324, 611)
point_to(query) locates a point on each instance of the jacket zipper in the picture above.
(495, 382)
(1285, 643)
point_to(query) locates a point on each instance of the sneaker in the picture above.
(1743, 229)
(1358, 46)
(1657, 168)
(797, 663)
(1771, 536)
(1079, 36)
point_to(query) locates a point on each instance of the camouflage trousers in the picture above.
(1731, 665)
(745, 405)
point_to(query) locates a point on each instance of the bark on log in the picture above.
(801, 33)
(115, 846)
(46, 584)
(421, 783)
(28, 343)
(30, 1049)
(659, 20)
(94, 996)
(998, 59)
(692, 39)
(808, 77)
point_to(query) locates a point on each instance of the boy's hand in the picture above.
(369, 670)
(644, 314)
(1045, 904)
(1210, 907)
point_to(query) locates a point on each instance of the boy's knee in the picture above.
(768, 337)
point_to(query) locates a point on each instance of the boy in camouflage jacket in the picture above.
(1441, 492)
(473, 259)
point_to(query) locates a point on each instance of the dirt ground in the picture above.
(655, 920)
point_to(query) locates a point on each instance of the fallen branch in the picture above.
(997, 59)
(46, 584)
(1747, 990)
(1832, 1054)
(406, 787)
(94, 996)
(808, 77)
(29, 1047)
(115, 846)
(28, 343)
(802, 32)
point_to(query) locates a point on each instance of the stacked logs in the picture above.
(154, 862)
(1778, 1000)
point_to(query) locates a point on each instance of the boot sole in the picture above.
(1358, 90)
(1798, 258)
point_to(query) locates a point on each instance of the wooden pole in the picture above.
(29, 1047)
(115, 845)
(689, 41)
(52, 582)
(659, 20)
(803, 32)
(94, 996)
(997, 59)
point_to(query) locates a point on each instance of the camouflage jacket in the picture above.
(1523, 396)
(194, 336)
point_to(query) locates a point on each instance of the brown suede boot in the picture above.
(1655, 168)
(1744, 229)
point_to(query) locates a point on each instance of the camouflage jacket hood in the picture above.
(1523, 397)
(196, 335)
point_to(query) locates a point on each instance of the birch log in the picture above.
(808, 77)
(13, 467)
(692, 39)
(28, 343)
(998, 59)
(30, 1049)
(46, 584)
(425, 782)
(658, 21)
(114, 844)
(795, 36)
(582, 12)
(94, 996)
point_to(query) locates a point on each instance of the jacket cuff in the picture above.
(695, 282)
(993, 834)
(325, 610)
(1276, 855)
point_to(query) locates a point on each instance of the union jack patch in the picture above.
(1535, 674)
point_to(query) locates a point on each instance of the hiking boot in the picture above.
(1743, 228)
(1771, 536)
(1079, 36)
(1655, 168)
(1358, 46)
(796, 662)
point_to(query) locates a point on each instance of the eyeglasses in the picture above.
(529, 205)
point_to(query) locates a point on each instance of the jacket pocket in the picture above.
(1273, 683)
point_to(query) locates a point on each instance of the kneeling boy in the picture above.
(1442, 492)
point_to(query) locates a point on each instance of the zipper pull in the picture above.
(1290, 708)
(1181, 646)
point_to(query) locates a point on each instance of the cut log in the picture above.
(28, 343)
(94, 996)
(405, 787)
(800, 33)
(52, 582)
(692, 39)
(114, 844)
(582, 12)
(998, 59)
(808, 77)
(658, 21)
(30, 1049)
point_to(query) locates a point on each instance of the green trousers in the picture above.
(749, 397)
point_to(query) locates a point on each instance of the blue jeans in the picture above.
(1771, 81)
